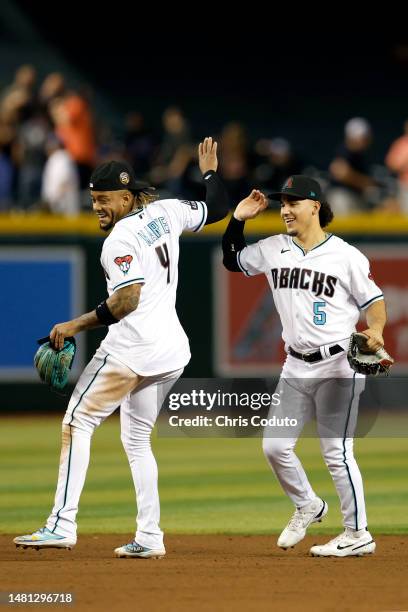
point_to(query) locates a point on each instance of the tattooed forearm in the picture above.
(124, 301)
(120, 303)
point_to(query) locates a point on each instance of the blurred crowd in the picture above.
(50, 141)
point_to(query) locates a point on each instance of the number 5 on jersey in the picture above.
(163, 255)
(319, 315)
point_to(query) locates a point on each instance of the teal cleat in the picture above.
(44, 538)
(134, 550)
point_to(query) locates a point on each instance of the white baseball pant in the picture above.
(330, 391)
(104, 385)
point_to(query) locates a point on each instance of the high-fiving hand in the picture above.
(207, 155)
(250, 207)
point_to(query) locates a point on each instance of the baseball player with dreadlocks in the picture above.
(320, 283)
(145, 349)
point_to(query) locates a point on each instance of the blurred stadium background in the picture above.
(75, 95)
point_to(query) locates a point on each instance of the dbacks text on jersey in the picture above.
(303, 278)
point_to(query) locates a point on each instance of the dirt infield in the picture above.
(212, 573)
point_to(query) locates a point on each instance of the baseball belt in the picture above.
(317, 355)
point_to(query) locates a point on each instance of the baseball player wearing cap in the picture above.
(319, 283)
(145, 349)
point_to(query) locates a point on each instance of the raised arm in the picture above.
(121, 303)
(233, 240)
(216, 198)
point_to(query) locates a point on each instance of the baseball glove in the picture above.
(54, 366)
(364, 361)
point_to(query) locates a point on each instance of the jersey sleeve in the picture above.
(121, 264)
(193, 214)
(363, 287)
(251, 260)
(186, 214)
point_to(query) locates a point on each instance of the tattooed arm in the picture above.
(121, 303)
(124, 301)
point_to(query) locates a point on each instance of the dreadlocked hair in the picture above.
(145, 197)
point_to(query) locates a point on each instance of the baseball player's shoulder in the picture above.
(179, 206)
(334, 244)
(184, 214)
(348, 248)
(167, 204)
(274, 242)
(170, 207)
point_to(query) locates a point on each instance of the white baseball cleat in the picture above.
(44, 538)
(295, 530)
(347, 544)
(135, 551)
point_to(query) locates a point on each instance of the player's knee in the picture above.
(138, 432)
(136, 449)
(275, 449)
(334, 460)
(81, 422)
(137, 443)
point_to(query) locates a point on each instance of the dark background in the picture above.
(290, 77)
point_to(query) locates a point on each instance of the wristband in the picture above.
(104, 314)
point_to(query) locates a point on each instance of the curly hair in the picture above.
(325, 214)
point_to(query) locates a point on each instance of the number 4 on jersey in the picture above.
(319, 315)
(163, 255)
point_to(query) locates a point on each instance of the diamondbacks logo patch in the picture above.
(289, 183)
(124, 263)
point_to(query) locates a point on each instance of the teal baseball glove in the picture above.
(54, 366)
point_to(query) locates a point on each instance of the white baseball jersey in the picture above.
(143, 247)
(318, 294)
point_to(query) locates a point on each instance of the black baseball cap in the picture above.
(301, 187)
(116, 175)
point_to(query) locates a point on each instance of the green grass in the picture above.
(208, 485)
